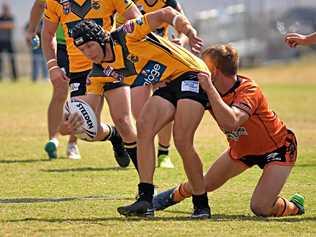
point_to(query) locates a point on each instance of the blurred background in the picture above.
(254, 27)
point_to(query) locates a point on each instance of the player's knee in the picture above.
(259, 209)
(182, 142)
(144, 129)
(123, 123)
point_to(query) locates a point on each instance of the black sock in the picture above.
(146, 191)
(163, 150)
(131, 149)
(113, 135)
(200, 201)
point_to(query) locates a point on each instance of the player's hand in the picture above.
(178, 40)
(72, 125)
(195, 42)
(205, 81)
(28, 37)
(58, 75)
(294, 39)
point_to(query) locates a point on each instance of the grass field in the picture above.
(79, 198)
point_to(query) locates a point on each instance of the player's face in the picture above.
(93, 51)
(210, 65)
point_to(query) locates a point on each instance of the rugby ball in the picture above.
(88, 131)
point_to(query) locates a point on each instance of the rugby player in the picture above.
(69, 13)
(294, 39)
(255, 134)
(139, 95)
(132, 50)
(57, 97)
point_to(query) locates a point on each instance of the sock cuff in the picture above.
(163, 148)
(111, 128)
(55, 141)
(130, 145)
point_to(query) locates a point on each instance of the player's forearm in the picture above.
(170, 16)
(49, 46)
(132, 13)
(311, 39)
(223, 113)
(36, 15)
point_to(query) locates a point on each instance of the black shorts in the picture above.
(77, 84)
(185, 86)
(62, 58)
(285, 155)
(110, 86)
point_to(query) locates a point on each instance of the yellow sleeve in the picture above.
(119, 20)
(50, 12)
(137, 29)
(122, 6)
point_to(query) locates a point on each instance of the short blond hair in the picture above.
(224, 57)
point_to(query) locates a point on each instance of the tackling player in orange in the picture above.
(255, 134)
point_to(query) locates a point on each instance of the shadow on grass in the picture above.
(22, 161)
(83, 169)
(62, 199)
(215, 218)
(306, 165)
(225, 217)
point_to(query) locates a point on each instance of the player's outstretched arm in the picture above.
(179, 22)
(294, 39)
(35, 17)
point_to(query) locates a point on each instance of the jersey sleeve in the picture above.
(248, 99)
(50, 12)
(121, 6)
(137, 29)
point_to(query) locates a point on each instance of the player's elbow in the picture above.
(167, 14)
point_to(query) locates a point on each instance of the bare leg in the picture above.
(265, 200)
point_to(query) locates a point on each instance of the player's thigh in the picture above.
(139, 96)
(119, 102)
(187, 118)
(270, 184)
(223, 169)
(156, 113)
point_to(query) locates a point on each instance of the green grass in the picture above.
(79, 198)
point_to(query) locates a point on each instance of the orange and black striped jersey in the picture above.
(145, 7)
(70, 12)
(263, 132)
(142, 58)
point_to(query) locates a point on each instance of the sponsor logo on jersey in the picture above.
(95, 4)
(110, 72)
(150, 74)
(236, 134)
(132, 58)
(66, 6)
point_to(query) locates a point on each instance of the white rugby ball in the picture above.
(88, 131)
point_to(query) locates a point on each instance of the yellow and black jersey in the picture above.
(142, 58)
(145, 7)
(70, 12)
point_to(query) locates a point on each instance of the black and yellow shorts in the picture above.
(186, 86)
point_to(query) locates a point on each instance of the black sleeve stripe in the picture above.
(247, 112)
